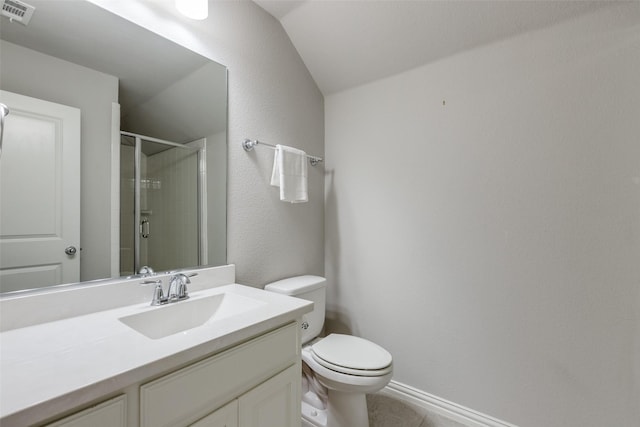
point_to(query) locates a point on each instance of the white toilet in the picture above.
(338, 370)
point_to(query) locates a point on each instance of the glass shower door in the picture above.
(160, 206)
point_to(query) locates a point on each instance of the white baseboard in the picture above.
(437, 405)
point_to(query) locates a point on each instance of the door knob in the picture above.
(71, 250)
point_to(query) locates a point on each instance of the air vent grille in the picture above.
(17, 11)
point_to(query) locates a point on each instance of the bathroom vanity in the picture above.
(227, 356)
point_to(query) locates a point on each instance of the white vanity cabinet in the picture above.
(263, 375)
(253, 384)
(272, 403)
(241, 367)
(112, 413)
(276, 402)
(227, 416)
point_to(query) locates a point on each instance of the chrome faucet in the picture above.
(177, 289)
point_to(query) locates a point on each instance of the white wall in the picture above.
(273, 98)
(483, 223)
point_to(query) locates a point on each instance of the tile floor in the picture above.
(387, 412)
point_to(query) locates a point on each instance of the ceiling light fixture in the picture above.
(194, 9)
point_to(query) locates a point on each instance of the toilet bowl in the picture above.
(349, 367)
(338, 370)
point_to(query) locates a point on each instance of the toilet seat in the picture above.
(336, 380)
(352, 356)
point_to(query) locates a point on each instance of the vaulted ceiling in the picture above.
(346, 43)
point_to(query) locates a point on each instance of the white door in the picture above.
(39, 194)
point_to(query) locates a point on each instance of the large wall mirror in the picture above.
(114, 151)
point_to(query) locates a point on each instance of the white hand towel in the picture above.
(290, 174)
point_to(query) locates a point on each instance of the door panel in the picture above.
(274, 403)
(39, 194)
(227, 416)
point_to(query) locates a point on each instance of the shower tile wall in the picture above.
(173, 209)
(126, 208)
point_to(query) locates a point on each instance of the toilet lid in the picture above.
(351, 353)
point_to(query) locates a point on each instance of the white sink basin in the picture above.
(181, 316)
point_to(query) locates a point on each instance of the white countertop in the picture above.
(52, 367)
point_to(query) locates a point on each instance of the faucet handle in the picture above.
(182, 291)
(158, 294)
(182, 288)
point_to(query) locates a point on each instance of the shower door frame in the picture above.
(199, 147)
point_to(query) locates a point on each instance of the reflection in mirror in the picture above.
(74, 78)
(161, 207)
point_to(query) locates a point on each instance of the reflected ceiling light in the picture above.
(194, 9)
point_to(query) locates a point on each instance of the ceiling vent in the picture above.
(17, 11)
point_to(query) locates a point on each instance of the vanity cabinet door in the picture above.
(183, 396)
(112, 413)
(274, 403)
(227, 416)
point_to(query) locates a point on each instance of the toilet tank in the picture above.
(311, 288)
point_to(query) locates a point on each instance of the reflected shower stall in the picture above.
(162, 204)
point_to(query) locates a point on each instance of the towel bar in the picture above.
(249, 144)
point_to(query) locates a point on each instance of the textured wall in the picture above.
(483, 223)
(273, 98)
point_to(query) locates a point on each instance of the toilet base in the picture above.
(313, 417)
(344, 410)
(347, 409)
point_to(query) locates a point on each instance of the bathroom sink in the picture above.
(160, 322)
